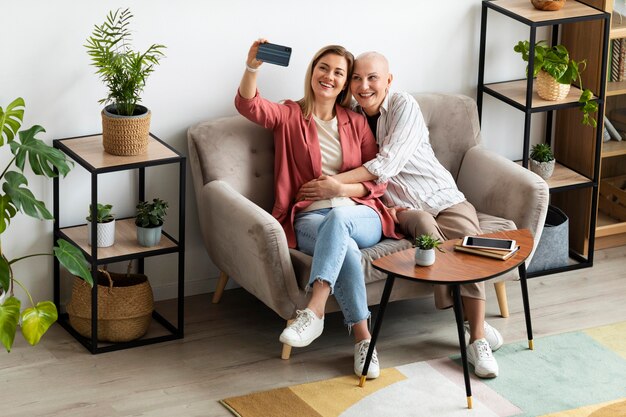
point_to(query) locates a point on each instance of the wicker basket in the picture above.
(125, 135)
(549, 89)
(125, 305)
(548, 5)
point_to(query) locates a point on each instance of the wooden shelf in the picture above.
(613, 148)
(564, 177)
(125, 240)
(525, 9)
(92, 152)
(516, 91)
(608, 226)
(618, 29)
(615, 88)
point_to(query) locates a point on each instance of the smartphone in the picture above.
(488, 243)
(274, 54)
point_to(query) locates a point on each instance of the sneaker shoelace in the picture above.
(483, 350)
(363, 348)
(302, 321)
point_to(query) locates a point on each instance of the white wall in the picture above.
(432, 47)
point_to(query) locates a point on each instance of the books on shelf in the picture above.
(503, 255)
(618, 60)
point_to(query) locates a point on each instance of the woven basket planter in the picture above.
(548, 5)
(549, 89)
(125, 135)
(125, 305)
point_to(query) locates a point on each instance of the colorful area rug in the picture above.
(578, 374)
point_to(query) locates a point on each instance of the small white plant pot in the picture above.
(106, 234)
(424, 257)
(543, 169)
(149, 236)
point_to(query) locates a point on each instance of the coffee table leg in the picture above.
(377, 325)
(529, 326)
(458, 314)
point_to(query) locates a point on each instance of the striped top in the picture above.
(416, 179)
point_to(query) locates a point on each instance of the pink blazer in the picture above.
(297, 156)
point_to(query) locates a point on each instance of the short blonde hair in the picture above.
(344, 98)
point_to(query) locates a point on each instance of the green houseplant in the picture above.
(542, 160)
(124, 72)
(43, 160)
(425, 246)
(554, 63)
(149, 221)
(105, 227)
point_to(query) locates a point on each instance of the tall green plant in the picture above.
(555, 61)
(123, 70)
(16, 198)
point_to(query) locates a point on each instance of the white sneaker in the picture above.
(479, 354)
(493, 336)
(305, 328)
(360, 353)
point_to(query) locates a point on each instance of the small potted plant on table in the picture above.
(542, 160)
(149, 221)
(105, 226)
(425, 246)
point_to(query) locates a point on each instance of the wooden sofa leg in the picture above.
(219, 290)
(502, 302)
(286, 353)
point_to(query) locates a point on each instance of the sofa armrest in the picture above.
(249, 245)
(500, 187)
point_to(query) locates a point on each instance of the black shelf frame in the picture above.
(176, 331)
(528, 109)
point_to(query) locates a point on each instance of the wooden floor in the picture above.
(232, 348)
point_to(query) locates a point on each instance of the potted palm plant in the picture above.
(46, 161)
(105, 225)
(425, 246)
(125, 123)
(555, 72)
(542, 160)
(149, 221)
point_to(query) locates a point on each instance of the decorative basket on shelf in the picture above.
(125, 305)
(549, 89)
(548, 5)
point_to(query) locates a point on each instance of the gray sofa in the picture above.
(232, 167)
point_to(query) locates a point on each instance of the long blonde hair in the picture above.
(344, 98)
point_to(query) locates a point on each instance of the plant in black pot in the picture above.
(105, 225)
(542, 160)
(125, 123)
(149, 221)
(555, 72)
(425, 246)
(28, 151)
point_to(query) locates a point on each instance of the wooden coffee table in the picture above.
(453, 268)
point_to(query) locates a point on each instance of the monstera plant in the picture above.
(15, 198)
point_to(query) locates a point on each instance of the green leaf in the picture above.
(37, 320)
(23, 198)
(73, 260)
(42, 158)
(9, 317)
(7, 212)
(11, 120)
(5, 274)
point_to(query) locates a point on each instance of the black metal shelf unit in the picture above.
(520, 94)
(87, 152)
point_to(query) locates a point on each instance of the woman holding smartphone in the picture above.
(316, 137)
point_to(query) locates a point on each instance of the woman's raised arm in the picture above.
(247, 87)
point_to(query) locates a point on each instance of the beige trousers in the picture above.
(454, 222)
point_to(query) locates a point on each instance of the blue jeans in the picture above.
(334, 236)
